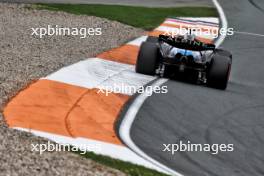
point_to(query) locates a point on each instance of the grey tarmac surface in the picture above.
(148, 3)
(204, 115)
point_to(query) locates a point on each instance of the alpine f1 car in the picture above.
(185, 55)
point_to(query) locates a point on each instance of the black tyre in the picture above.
(147, 59)
(218, 73)
(152, 39)
(223, 52)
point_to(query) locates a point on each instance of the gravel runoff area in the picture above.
(25, 58)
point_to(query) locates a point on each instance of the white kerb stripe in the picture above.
(98, 147)
(138, 41)
(103, 74)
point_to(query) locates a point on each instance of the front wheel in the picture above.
(218, 72)
(147, 59)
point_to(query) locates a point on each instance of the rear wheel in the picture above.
(147, 59)
(218, 73)
(223, 52)
(152, 39)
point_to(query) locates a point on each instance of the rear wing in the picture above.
(181, 42)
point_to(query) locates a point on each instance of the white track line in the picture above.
(249, 33)
(129, 117)
(224, 23)
(124, 129)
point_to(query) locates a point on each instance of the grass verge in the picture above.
(125, 167)
(140, 17)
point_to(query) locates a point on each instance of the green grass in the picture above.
(141, 17)
(125, 167)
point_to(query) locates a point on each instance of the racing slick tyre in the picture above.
(152, 39)
(219, 71)
(223, 52)
(147, 59)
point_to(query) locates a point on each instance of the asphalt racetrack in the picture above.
(204, 115)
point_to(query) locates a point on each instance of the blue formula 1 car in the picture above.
(186, 56)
